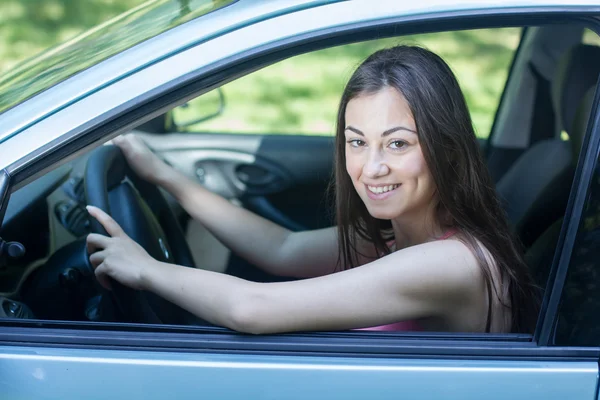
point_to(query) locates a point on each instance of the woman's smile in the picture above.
(383, 155)
(381, 192)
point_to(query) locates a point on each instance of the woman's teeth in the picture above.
(382, 189)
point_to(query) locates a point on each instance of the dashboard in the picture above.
(46, 216)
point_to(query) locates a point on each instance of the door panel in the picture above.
(283, 178)
(275, 175)
(46, 373)
(309, 162)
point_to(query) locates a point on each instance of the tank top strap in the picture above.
(449, 233)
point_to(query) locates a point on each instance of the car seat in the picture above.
(536, 188)
(540, 255)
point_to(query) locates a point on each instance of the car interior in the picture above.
(532, 153)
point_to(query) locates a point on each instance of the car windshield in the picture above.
(114, 36)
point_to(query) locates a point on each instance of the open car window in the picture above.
(300, 95)
(58, 326)
(220, 162)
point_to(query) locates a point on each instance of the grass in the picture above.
(298, 95)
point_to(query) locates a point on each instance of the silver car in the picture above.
(163, 70)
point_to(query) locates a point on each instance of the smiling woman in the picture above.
(409, 170)
(419, 142)
(389, 151)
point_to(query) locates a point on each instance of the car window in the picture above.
(231, 160)
(300, 95)
(591, 37)
(579, 308)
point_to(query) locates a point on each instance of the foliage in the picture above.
(94, 45)
(298, 95)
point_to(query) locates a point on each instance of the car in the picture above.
(168, 71)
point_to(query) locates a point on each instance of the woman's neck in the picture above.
(416, 228)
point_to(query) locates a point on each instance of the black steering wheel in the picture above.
(144, 214)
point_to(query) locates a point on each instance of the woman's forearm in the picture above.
(217, 298)
(252, 237)
(174, 182)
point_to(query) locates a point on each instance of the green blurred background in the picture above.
(298, 95)
(301, 94)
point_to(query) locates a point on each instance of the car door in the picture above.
(66, 359)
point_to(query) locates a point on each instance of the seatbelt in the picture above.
(543, 117)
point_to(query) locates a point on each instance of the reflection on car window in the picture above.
(578, 323)
(590, 37)
(300, 95)
(139, 24)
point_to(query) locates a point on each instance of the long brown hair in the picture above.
(467, 199)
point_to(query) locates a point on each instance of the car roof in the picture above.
(72, 75)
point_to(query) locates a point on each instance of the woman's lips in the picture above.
(383, 195)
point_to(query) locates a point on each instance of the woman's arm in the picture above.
(263, 243)
(430, 280)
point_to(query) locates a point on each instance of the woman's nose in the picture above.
(375, 164)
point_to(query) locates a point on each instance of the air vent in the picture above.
(74, 189)
(73, 217)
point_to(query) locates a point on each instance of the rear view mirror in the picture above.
(198, 110)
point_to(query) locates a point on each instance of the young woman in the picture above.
(421, 241)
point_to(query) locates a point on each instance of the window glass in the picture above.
(99, 43)
(300, 95)
(590, 37)
(578, 323)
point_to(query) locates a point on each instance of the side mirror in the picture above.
(208, 106)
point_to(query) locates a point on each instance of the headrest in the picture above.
(580, 121)
(576, 72)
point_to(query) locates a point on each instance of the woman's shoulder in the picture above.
(473, 252)
(453, 258)
(487, 276)
(446, 267)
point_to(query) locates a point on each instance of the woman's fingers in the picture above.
(123, 142)
(95, 242)
(119, 140)
(103, 277)
(111, 226)
(97, 258)
(128, 143)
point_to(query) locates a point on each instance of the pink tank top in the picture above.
(411, 325)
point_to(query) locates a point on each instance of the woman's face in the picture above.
(383, 155)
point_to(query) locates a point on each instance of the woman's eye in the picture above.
(398, 144)
(356, 142)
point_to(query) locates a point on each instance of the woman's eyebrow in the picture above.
(353, 129)
(385, 133)
(397, 128)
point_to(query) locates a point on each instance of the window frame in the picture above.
(577, 202)
(379, 344)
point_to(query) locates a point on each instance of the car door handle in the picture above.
(255, 175)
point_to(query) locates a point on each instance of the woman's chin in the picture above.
(380, 213)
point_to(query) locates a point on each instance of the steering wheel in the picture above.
(144, 214)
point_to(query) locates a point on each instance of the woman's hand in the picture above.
(118, 256)
(140, 158)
